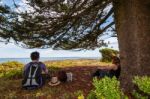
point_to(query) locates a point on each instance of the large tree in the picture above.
(71, 24)
(132, 19)
(7, 18)
(63, 24)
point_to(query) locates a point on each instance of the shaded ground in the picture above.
(82, 79)
(10, 85)
(82, 83)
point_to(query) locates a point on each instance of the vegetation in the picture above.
(11, 77)
(106, 88)
(80, 62)
(78, 24)
(107, 54)
(11, 69)
(74, 24)
(79, 94)
(142, 87)
(143, 83)
(14, 69)
(138, 95)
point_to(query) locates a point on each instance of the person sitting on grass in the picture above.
(33, 76)
(114, 71)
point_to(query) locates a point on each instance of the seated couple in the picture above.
(110, 72)
(35, 73)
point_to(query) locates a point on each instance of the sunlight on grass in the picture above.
(71, 63)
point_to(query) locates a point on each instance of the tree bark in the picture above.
(132, 19)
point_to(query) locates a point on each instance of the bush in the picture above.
(14, 74)
(11, 69)
(12, 64)
(81, 97)
(138, 95)
(142, 85)
(91, 95)
(107, 54)
(106, 88)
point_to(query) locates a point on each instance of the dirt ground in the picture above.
(82, 83)
(82, 80)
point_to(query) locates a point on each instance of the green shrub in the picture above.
(91, 95)
(13, 74)
(12, 64)
(107, 54)
(54, 68)
(11, 69)
(143, 83)
(106, 88)
(79, 94)
(138, 95)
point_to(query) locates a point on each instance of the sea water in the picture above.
(26, 60)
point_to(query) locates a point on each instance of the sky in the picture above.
(10, 50)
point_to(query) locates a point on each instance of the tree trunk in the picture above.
(132, 19)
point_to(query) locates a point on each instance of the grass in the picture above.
(11, 77)
(11, 89)
(73, 63)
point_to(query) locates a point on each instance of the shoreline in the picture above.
(26, 60)
(68, 62)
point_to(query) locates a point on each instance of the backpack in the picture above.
(32, 76)
(62, 76)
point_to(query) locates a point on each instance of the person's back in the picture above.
(33, 73)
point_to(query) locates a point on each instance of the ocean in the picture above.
(26, 60)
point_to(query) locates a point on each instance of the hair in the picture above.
(35, 55)
(115, 60)
(62, 76)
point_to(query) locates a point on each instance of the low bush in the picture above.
(11, 69)
(53, 68)
(107, 54)
(142, 87)
(12, 64)
(81, 96)
(14, 74)
(137, 95)
(91, 95)
(143, 83)
(106, 88)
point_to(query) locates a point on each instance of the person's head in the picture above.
(35, 55)
(113, 55)
(116, 60)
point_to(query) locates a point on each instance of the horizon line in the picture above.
(52, 57)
